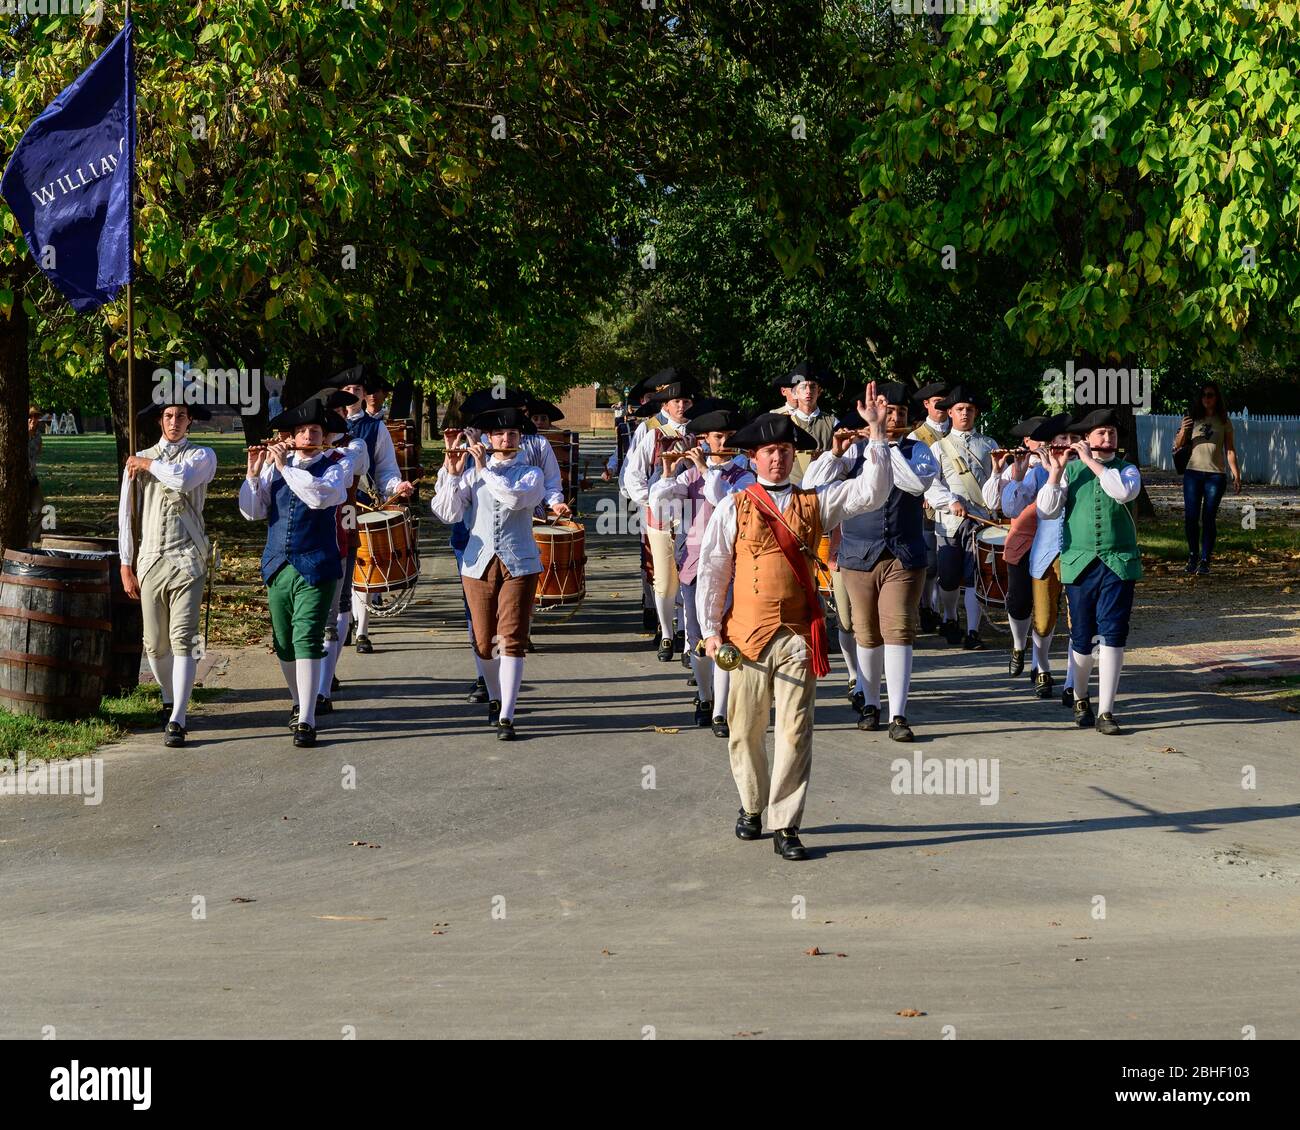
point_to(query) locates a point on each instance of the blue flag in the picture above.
(70, 181)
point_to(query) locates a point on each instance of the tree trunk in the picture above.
(15, 394)
(400, 407)
(417, 412)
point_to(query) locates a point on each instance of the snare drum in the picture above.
(563, 547)
(386, 556)
(991, 567)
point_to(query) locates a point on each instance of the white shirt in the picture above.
(642, 469)
(912, 476)
(1123, 484)
(331, 489)
(185, 468)
(835, 502)
(949, 485)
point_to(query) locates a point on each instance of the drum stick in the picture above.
(393, 497)
(986, 522)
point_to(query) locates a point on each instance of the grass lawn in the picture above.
(114, 720)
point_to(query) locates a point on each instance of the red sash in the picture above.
(795, 555)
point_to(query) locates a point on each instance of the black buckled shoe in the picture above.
(505, 730)
(858, 700)
(869, 718)
(324, 705)
(665, 651)
(1016, 664)
(174, 735)
(690, 682)
(951, 632)
(293, 719)
(720, 727)
(1203, 569)
(165, 713)
(929, 620)
(494, 712)
(1067, 697)
(749, 825)
(1083, 715)
(1043, 684)
(972, 642)
(786, 844)
(899, 730)
(364, 646)
(478, 692)
(1107, 725)
(703, 712)
(304, 736)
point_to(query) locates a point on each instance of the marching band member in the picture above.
(167, 570)
(1009, 467)
(494, 493)
(352, 451)
(383, 473)
(297, 491)
(957, 493)
(377, 390)
(757, 545)
(1100, 560)
(644, 467)
(1033, 565)
(882, 560)
(696, 490)
(930, 431)
(803, 389)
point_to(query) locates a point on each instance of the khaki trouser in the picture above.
(665, 566)
(885, 599)
(170, 603)
(782, 676)
(1047, 599)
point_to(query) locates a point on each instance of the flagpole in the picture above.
(130, 299)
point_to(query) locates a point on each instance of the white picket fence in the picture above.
(1268, 447)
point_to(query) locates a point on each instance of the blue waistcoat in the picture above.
(895, 528)
(298, 535)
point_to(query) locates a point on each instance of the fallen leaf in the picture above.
(909, 1012)
(1083, 937)
(362, 843)
(1053, 923)
(841, 955)
(1169, 749)
(606, 953)
(347, 918)
(665, 729)
(814, 952)
(240, 898)
(1078, 959)
(437, 931)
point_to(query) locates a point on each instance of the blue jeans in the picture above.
(1202, 493)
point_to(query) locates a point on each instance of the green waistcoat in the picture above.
(1096, 526)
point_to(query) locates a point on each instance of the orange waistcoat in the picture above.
(767, 596)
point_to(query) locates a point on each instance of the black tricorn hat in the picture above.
(1051, 427)
(336, 423)
(489, 399)
(646, 410)
(500, 418)
(934, 388)
(539, 407)
(1097, 418)
(960, 394)
(154, 410)
(334, 398)
(895, 392)
(1026, 427)
(714, 420)
(772, 427)
(310, 411)
(352, 375)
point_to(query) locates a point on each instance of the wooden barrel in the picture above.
(565, 446)
(128, 619)
(55, 633)
(406, 445)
